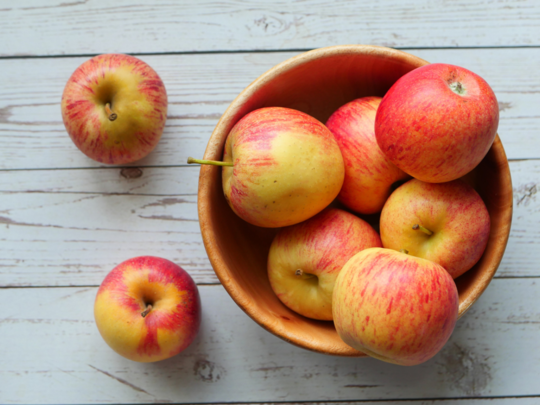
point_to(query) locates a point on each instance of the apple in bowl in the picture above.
(114, 108)
(369, 174)
(447, 223)
(305, 259)
(280, 167)
(148, 309)
(437, 122)
(395, 307)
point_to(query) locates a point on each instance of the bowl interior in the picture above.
(317, 83)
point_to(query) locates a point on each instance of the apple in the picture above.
(114, 108)
(437, 122)
(395, 307)
(148, 309)
(447, 223)
(369, 174)
(280, 167)
(305, 259)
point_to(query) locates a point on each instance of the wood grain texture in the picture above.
(30, 27)
(69, 235)
(65, 220)
(200, 88)
(493, 352)
(71, 227)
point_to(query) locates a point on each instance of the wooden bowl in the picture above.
(317, 83)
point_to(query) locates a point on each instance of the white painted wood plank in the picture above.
(52, 353)
(522, 255)
(56, 27)
(143, 181)
(200, 87)
(71, 227)
(71, 238)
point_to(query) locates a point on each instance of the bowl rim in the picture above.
(501, 242)
(293, 62)
(214, 152)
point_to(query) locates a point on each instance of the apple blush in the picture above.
(369, 174)
(447, 223)
(394, 307)
(305, 259)
(437, 122)
(114, 108)
(280, 167)
(148, 309)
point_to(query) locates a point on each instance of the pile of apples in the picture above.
(391, 294)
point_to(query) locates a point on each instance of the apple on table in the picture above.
(447, 223)
(148, 309)
(305, 259)
(437, 122)
(114, 108)
(369, 174)
(394, 307)
(280, 167)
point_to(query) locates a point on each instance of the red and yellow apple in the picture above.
(280, 167)
(148, 309)
(369, 174)
(447, 223)
(437, 122)
(305, 259)
(114, 108)
(395, 307)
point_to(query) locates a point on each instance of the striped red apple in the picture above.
(114, 108)
(394, 307)
(305, 259)
(148, 309)
(447, 223)
(369, 174)
(437, 122)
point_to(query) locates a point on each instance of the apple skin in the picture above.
(395, 307)
(429, 130)
(369, 174)
(319, 246)
(287, 167)
(171, 324)
(135, 93)
(453, 211)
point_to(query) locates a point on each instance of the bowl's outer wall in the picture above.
(491, 178)
(317, 83)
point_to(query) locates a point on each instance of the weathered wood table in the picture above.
(66, 221)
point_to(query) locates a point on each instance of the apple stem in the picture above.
(146, 311)
(300, 273)
(458, 88)
(404, 251)
(209, 162)
(112, 116)
(418, 227)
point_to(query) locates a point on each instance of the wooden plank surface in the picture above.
(29, 27)
(71, 227)
(61, 357)
(66, 220)
(200, 87)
